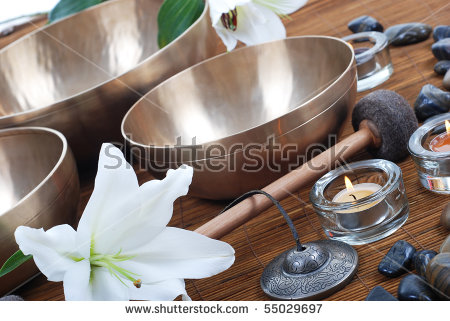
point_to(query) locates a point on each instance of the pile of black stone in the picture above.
(431, 100)
(432, 281)
(398, 35)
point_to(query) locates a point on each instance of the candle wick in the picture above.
(353, 197)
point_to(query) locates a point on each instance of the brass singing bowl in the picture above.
(80, 75)
(39, 187)
(293, 92)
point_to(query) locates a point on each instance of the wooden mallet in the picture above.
(384, 122)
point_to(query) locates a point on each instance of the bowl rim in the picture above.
(236, 51)
(61, 104)
(56, 166)
(222, 157)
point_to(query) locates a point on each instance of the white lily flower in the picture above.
(122, 249)
(250, 21)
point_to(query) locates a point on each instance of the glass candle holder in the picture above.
(433, 166)
(372, 57)
(373, 208)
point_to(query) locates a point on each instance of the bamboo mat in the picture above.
(260, 240)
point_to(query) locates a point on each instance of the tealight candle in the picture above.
(361, 216)
(429, 147)
(363, 212)
(352, 193)
(441, 143)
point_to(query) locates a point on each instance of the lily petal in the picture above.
(156, 199)
(161, 291)
(255, 24)
(216, 9)
(115, 195)
(178, 253)
(282, 7)
(106, 287)
(76, 282)
(157, 196)
(258, 24)
(51, 249)
(227, 38)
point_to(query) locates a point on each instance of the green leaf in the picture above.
(67, 7)
(175, 16)
(16, 260)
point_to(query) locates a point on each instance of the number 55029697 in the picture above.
(292, 308)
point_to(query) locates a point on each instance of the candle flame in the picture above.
(348, 184)
(447, 125)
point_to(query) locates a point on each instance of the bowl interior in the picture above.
(237, 91)
(76, 54)
(27, 158)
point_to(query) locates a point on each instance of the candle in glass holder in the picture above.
(364, 215)
(441, 143)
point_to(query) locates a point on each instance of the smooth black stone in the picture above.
(446, 81)
(378, 293)
(408, 33)
(441, 67)
(441, 49)
(421, 260)
(431, 101)
(398, 259)
(365, 23)
(438, 273)
(413, 288)
(441, 32)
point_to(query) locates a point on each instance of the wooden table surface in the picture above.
(260, 240)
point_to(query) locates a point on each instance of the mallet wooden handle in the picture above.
(290, 183)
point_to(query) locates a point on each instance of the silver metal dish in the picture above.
(39, 187)
(293, 92)
(81, 74)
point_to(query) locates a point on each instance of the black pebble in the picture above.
(378, 293)
(431, 101)
(441, 49)
(421, 260)
(413, 288)
(441, 67)
(398, 260)
(441, 32)
(365, 23)
(408, 33)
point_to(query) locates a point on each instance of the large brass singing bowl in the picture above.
(38, 188)
(254, 114)
(80, 75)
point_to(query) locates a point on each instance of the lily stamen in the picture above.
(229, 20)
(137, 283)
(106, 261)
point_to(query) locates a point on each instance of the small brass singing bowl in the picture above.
(245, 118)
(80, 75)
(39, 187)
